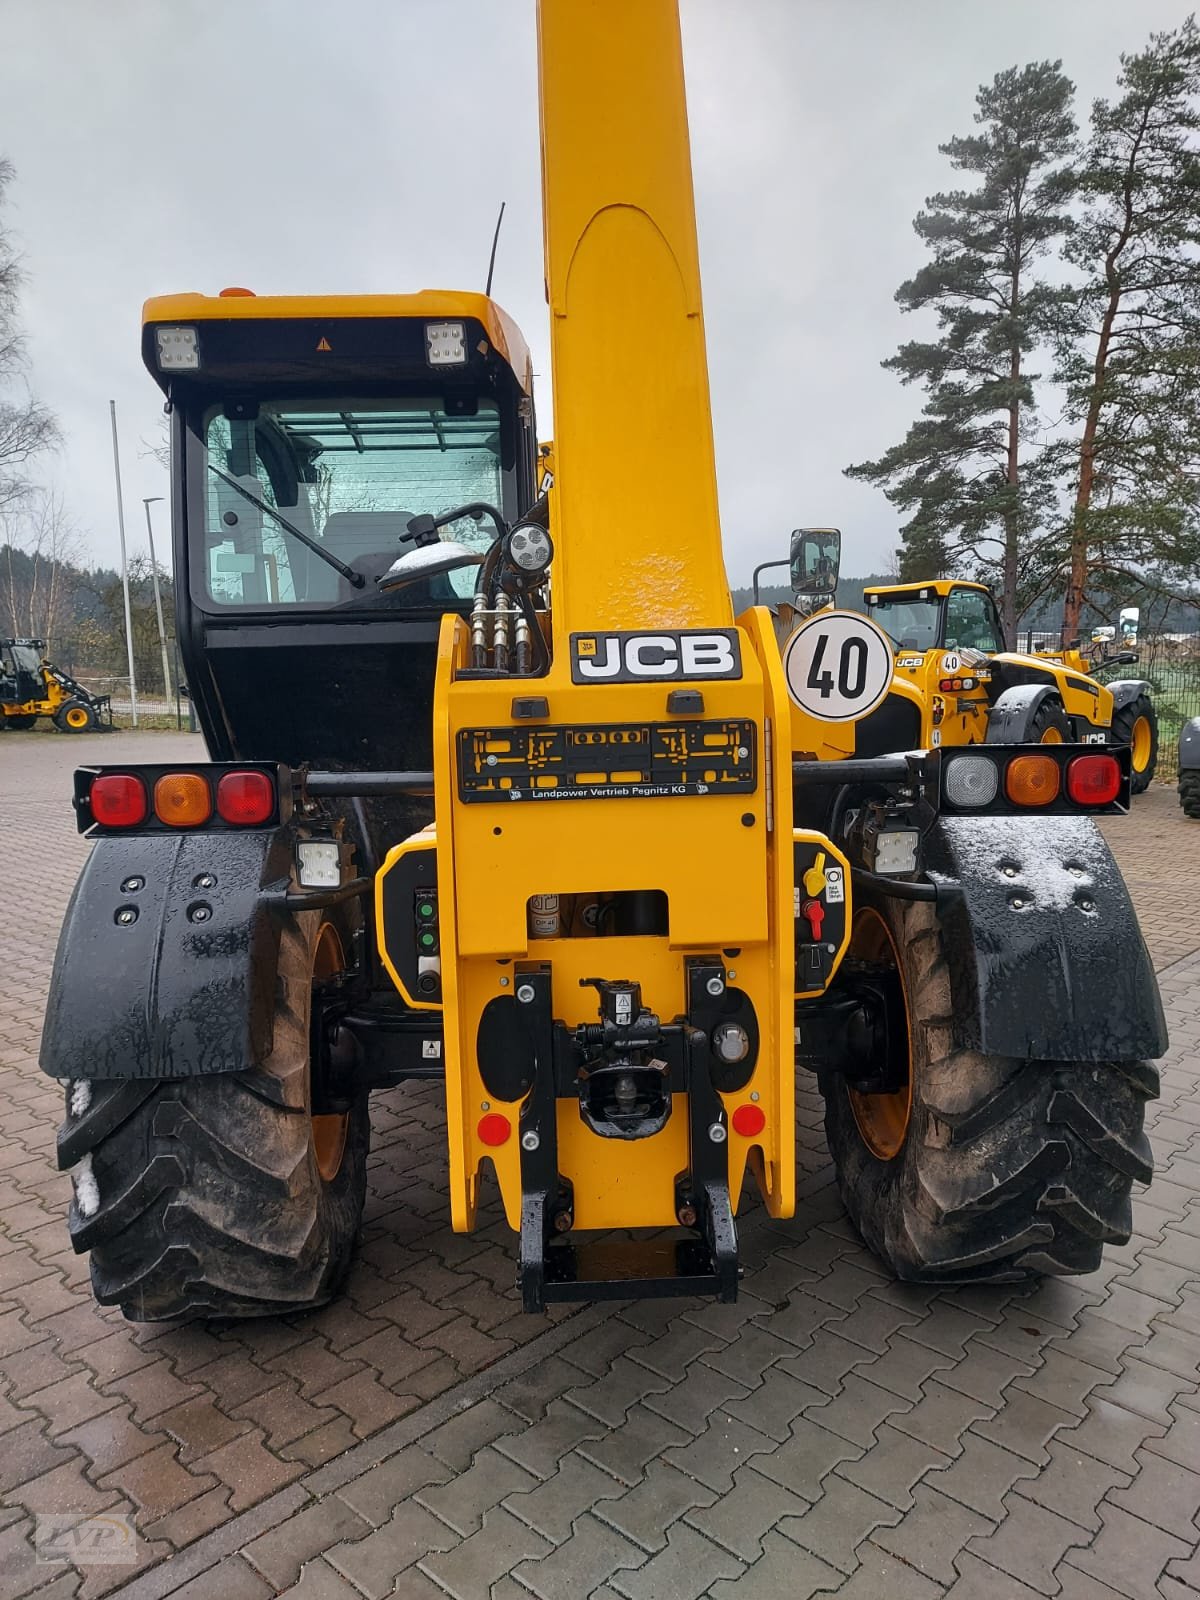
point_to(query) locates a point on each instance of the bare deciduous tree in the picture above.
(27, 428)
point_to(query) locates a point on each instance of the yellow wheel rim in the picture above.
(1140, 743)
(1051, 736)
(882, 1118)
(77, 717)
(329, 1132)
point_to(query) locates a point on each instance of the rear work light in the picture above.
(1094, 780)
(178, 349)
(1032, 780)
(245, 798)
(971, 780)
(182, 800)
(118, 800)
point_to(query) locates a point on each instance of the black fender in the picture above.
(1189, 746)
(185, 987)
(1046, 957)
(1126, 690)
(1010, 720)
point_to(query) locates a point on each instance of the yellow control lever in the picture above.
(814, 878)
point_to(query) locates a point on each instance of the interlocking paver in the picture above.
(1025, 1425)
(1163, 1493)
(688, 1567)
(1073, 1484)
(933, 1533)
(982, 1475)
(469, 1569)
(893, 1465)
(740, 1519)
(591, 1554)
(1128, 1554)
(463, 1501)
(995, 1404)
(1029, 1544)
(280, 1554)
(646, 1512)
(841, 1520)
(782, 1569)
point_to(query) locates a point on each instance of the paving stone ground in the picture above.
(832, 1433)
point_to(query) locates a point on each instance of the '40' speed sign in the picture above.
(838, 666)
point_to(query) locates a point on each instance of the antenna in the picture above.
(492, 257)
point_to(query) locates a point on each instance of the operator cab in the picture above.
(937, 616)
(306, 435)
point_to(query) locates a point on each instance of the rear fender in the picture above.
(1189, 746)
(1080, 694)
(1010, 720)
(166, 995)
(1126, 690)
(1045, 954)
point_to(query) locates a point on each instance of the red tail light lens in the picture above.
(245, 798)
(118, 800)
(1094, 780)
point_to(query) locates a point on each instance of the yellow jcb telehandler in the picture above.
(501, 793)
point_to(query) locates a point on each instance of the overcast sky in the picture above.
(295, 146)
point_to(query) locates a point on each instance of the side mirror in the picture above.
(1129, 619)
(815, 559)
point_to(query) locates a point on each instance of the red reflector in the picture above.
(245, 798)
(946, 685)
(494, 1129)
(1094, 780)
(749, 1121)
(118, 800)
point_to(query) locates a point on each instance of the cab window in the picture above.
(971, 621)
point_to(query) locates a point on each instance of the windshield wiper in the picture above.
(352, 577)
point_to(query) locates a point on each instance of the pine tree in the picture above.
(1130, 352)
(960, 472)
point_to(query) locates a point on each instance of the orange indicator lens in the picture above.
(1032, 780)
(182, 800)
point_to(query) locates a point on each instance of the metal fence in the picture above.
(1170, 663)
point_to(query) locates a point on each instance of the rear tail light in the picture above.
(1094, 780)
(182, 800)
(245, 798)
(972, 780)
(118, 800)
(1032, 780)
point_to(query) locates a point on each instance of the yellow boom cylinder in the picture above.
(635, 548)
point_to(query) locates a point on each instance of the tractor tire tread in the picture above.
(202, 1195)
(1010, 1169)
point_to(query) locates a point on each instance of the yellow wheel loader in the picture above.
(500, 793)
(32, 687)
(949, 645)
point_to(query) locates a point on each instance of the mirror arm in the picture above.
(765, 566)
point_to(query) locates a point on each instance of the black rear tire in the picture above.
(1125, 724)
(1008, 1169)
(76, 716)
(1189, 793)
(1050, 725)
(19, 724)
(203, 1196)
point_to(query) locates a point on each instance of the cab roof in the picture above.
(942, 585)
(426, 305)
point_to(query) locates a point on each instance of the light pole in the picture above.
(148, 501)
(112, 410)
